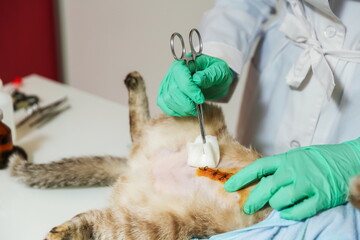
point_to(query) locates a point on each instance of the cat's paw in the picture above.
(133, 80)
(71, 231)
(62, 232)
(354, 196)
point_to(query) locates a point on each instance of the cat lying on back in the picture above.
(156, 195)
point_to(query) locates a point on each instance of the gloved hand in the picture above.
(181, 88)
(300, 182)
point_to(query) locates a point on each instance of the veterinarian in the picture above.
(301, 105)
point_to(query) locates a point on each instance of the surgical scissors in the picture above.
(187, 59)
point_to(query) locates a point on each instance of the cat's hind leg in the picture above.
(354, 195)
(91, 225)
(138, 104)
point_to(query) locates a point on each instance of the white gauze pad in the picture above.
(204, 155)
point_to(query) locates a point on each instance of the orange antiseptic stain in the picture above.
(223, 176)
(214, 174)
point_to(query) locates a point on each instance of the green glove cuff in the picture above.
(355, 144)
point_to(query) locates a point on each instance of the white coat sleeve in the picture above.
(230, 29)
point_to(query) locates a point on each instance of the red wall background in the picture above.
(28, 41)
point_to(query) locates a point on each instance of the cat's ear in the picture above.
(354, 194)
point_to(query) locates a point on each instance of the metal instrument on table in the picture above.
(38, 115)
(22, 100)
(194, 53)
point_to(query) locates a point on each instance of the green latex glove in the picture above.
(182, 87)
(300, 182)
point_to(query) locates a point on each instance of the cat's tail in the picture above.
(68, 172)
(354, 194)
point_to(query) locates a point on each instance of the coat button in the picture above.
(330, 32)
(295, 144)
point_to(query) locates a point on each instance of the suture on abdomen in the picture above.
(213, 174)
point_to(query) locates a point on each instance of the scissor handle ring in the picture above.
(194, 52)
(183, 50)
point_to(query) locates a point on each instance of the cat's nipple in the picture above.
(236, 196)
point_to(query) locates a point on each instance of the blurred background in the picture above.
(92, 44)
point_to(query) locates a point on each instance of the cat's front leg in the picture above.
(67, 232)
(91, 225)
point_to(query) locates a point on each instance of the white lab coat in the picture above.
(303, 86)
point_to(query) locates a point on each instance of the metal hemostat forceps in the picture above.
(193, 56)
(42, 115)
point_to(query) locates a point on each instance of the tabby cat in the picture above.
(156, 195)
